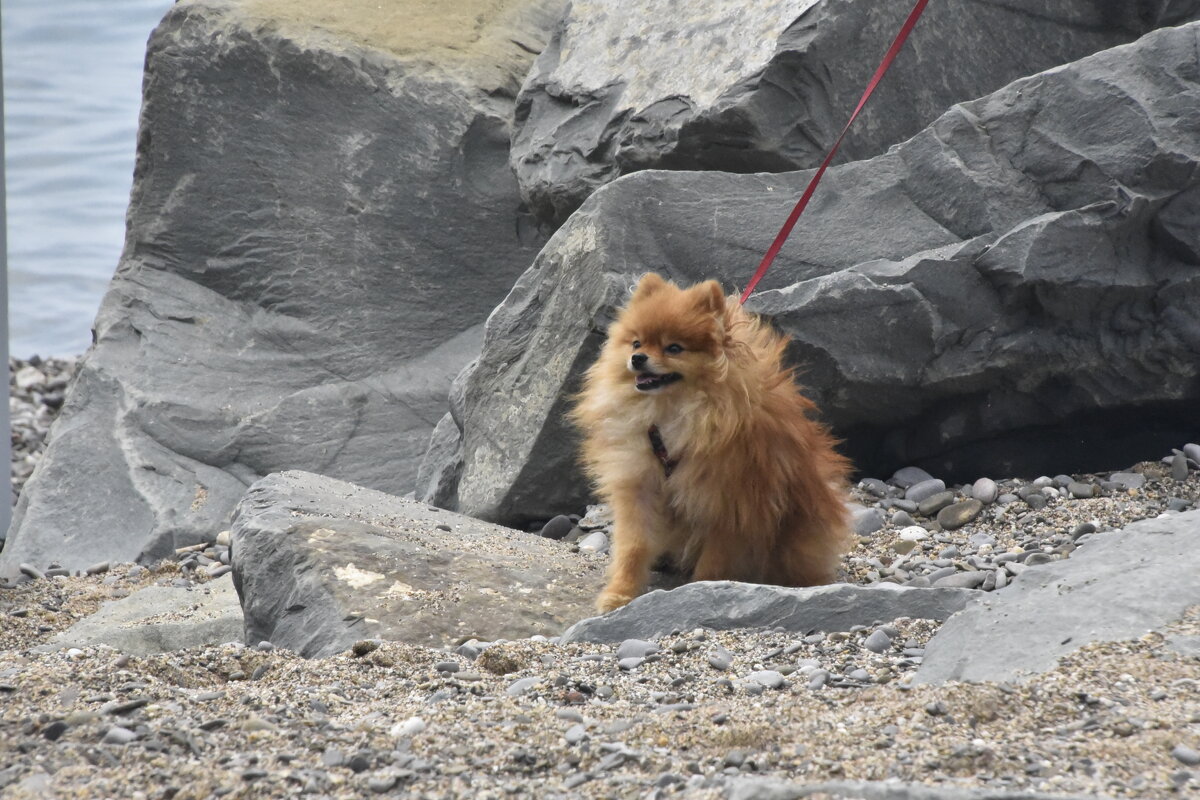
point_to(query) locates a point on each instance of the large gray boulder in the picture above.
(320, 564)
(1119, 585)
(746, 87)
(727, 605)
(322, 216)
(1014, 290)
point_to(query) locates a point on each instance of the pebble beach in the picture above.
(695, 714)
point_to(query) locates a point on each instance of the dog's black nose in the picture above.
(638, 360)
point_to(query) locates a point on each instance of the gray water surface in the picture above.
(72, 85)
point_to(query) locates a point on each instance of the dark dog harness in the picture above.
(660, 451)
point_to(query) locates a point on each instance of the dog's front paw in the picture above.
(609, 601)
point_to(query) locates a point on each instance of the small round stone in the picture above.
(119, 735)
(557, 528)
(1080, 491)
(934, 503)
(962, 580)
(409, 727)
(636, 648)
(594, 542)
(878, 642)
(521, 686)
(868, 521)
(768, 678)
(954, 516)
(1186, 755)
(914, 533)
(720, 658)
(1179, 466)
(985, 490)
(907, 476)
(927, 488)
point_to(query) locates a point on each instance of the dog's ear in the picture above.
(710, 297)
(650, 283)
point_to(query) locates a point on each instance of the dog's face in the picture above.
(667, 337)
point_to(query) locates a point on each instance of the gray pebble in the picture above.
(903, 519)
(955, 516)
(1006, 498)
(927, 488)
(557, 528)
(636, 648)
(874, 486)
(383, 782)
(1036, 559)
(1082, 529)
(522, 685)
(938, 574)
(907, 476)
(878, 642)
(97, 569)
(904, 505)
(1192, 451)
(1042, 482)
(985, 490)
(594, 542)
(859, 674)
(1179, 466)
(868, 521)
(1081, 491)
(962, 580)
(818, 678)
(628, 664)
(1186, 755)
(769, 678)
(934, 503)
(720, 658)
(447, 666)
(1128, 480)
(31, 571)
(118, 735)
(575, 734)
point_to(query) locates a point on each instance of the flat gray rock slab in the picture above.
(1118, 585)
(723, 605)
(159, 619)
(320, 564)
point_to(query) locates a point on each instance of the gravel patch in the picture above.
(685, 715)
(36, 391)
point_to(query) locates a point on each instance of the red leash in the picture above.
(786, 230)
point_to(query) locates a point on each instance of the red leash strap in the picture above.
(786, 230)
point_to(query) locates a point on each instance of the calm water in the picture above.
(72, 86)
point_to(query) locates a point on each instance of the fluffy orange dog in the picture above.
(701, 442)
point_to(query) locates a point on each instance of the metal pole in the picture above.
(5, 422)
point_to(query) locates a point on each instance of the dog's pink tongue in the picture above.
(642, 380)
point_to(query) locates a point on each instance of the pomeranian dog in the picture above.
(699, 439)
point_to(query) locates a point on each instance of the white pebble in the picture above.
(913, 533)
(410, 727)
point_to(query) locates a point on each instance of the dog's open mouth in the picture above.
(648, 381)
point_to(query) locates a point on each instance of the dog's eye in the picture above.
(674, 349)
(637, 345)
